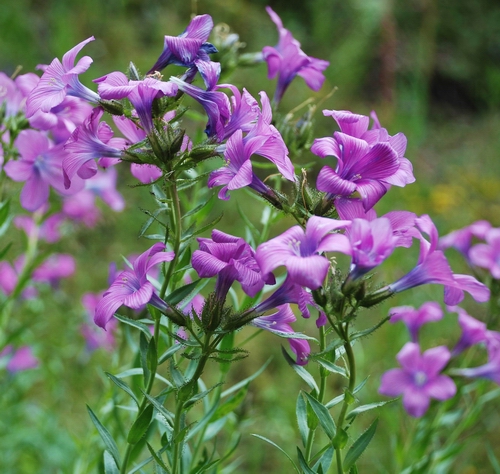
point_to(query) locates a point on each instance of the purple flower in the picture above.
(140, 93)
(48, 230)
(18, 360)
(490, 370)
(371, 243)
(488, 255)
(231, 259)
(415, 318)
(287, 60)
(60, 79)
(432, 267)
(216, 105)
(238, 171)
(279, 324)
(184, 49)
(54, 268)
(473, 331)
(419, 379)
(368, 161)
(94, 337)
(90, 141)
(300, 251)
(40, 167)
(131, 287)
(462, 239)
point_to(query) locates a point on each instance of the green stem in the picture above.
(352, 383)
(144, 401)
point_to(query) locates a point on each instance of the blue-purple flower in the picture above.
(287, 60)
(419, 378)
(191, 45)
(132, 288)
(487, 255)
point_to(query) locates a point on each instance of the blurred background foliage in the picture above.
(430, 68)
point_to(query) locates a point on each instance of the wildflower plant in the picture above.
(181, 301)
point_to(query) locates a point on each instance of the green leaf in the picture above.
(136, 324)
(331, 367)
(281, 449)
(169, 353)
(199, 207)
(152, 356)
(190, 234)
(370, 406)
(123, 386)
(359, 446)
(110, 466)
(109, 442)
(183, 292)
(244, 382)
(231, 404)
(141, 425)
(199, 396)
(177, 377)
(303, 463)
(303, 373)
(325, 460)
(324, 417)
(366, 332)
(143, 348)
(493, 460)
(156, 457)
(4, 251)
(169, 417)
(301, 412)
(4, 211)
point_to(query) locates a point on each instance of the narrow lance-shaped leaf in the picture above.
(123, 386)
(278, 447)
(303, 463)
(370, 406)
(140, 425)
(359, 446)
(324, 417)
(303, 373)
(143, 347)
(110, 466)
(301, 412)
(106, 436)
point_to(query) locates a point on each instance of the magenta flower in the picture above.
(231, 259)
(60, 79)
(132, 288)
(48, 230)
(368, 161)
(189, 46)
(419, 379)
(487, 255)
(18, 360)
(286, 60)
(90, 141)
(279, 323)
(300, 251)
(416, 318)
(40, 167)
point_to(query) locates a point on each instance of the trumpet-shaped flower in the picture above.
(419, 379)
(40, 167)
(231, 259)
(90, 141)
(416, 318)
(60, 79)
(287, 60)
(192, 44)
(487, 255)
(132, 288)
(300, 251)
(473, 331)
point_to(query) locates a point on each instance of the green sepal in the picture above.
(141, 425)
